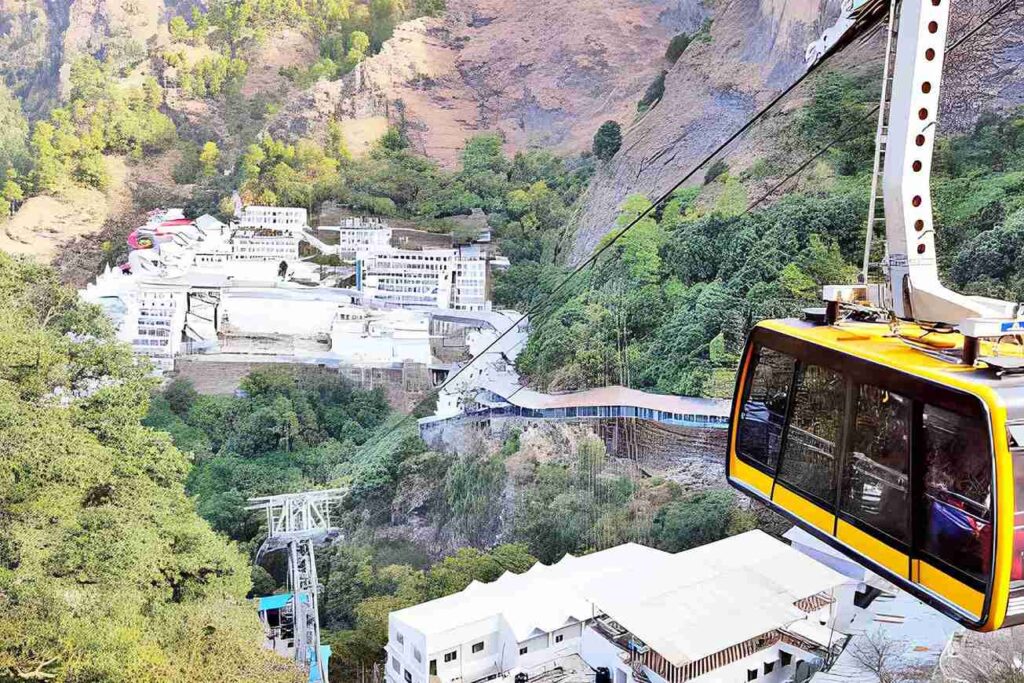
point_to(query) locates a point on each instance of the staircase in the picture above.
(318, 243)
(876, 205)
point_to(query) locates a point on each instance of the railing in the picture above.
(694, 420)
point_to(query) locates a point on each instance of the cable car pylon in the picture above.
(296, 524)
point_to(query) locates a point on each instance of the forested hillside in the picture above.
(418, 524)
(667, 308)
(106, 570)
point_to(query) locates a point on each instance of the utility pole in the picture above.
(296, 523)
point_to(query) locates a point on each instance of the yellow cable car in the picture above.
(892, 442)
(892, 451)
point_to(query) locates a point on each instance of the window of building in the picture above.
(751, 674)
(558, 638)
(769, 667)
(433, 667)
(478, 647)
(784, 658)
(408, 676)
(957, 490)
(399, 637)
(523, 650)
(395, 664)
(812, 434)
(451, 656)
(417, 655)
(876, 486)
(759, 437)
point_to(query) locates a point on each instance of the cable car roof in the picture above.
(934, 356)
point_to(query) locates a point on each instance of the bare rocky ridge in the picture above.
(756, 51)
(544, 74)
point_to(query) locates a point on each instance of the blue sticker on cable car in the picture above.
(1016, 325)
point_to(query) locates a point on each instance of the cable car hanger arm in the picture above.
(905, 141)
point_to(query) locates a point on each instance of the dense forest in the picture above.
(106, 570)
(116, 103)
(667, 307)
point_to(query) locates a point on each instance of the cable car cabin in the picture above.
(893, 453)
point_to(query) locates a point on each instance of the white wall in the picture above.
(597, 652)
(259, 315)
(405, 652)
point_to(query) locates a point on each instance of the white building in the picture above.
(357, 235)
(429, 278)
(286, 218)
(200, 286)
(268, 232)
(367, 336)
(148, 316)
(747, 608)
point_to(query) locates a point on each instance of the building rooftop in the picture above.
(544, 597)
(701, 601)
(685, 606)
(508, 388)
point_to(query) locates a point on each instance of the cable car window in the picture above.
(876, 485)
(1017, 569)
(759, 434)
(957, 491)
(808, 456)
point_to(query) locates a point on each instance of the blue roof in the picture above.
(277, 601)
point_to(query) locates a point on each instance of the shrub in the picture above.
(715, 171)
(677, 46)
(653, 93)
(607, 140)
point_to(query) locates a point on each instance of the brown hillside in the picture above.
(543, 73)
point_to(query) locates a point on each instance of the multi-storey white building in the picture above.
(357, 235)
(436, 278)
(268, 233)
(263, 244)
(148, 316)
(282, 217)
(748, 608)
(189, 285)
(408, 278)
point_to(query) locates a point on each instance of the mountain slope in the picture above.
(756, 50)
(544, 74)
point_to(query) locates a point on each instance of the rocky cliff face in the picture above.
(543, 73)
(756, 50)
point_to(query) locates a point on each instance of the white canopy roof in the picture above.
(704, 600)
(545, 597)
(684, 606)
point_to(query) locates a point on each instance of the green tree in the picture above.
(702, 518)
(96, 517)
(14, 133)
(179, 29)
(209, 156)
(607, 140)
(677, 46)
(181, 395)
(654, 92)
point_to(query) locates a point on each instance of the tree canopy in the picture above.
(106, 571)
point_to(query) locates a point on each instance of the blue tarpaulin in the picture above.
(277, 601)
(325, 656)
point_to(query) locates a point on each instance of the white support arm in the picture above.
(910, 235)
